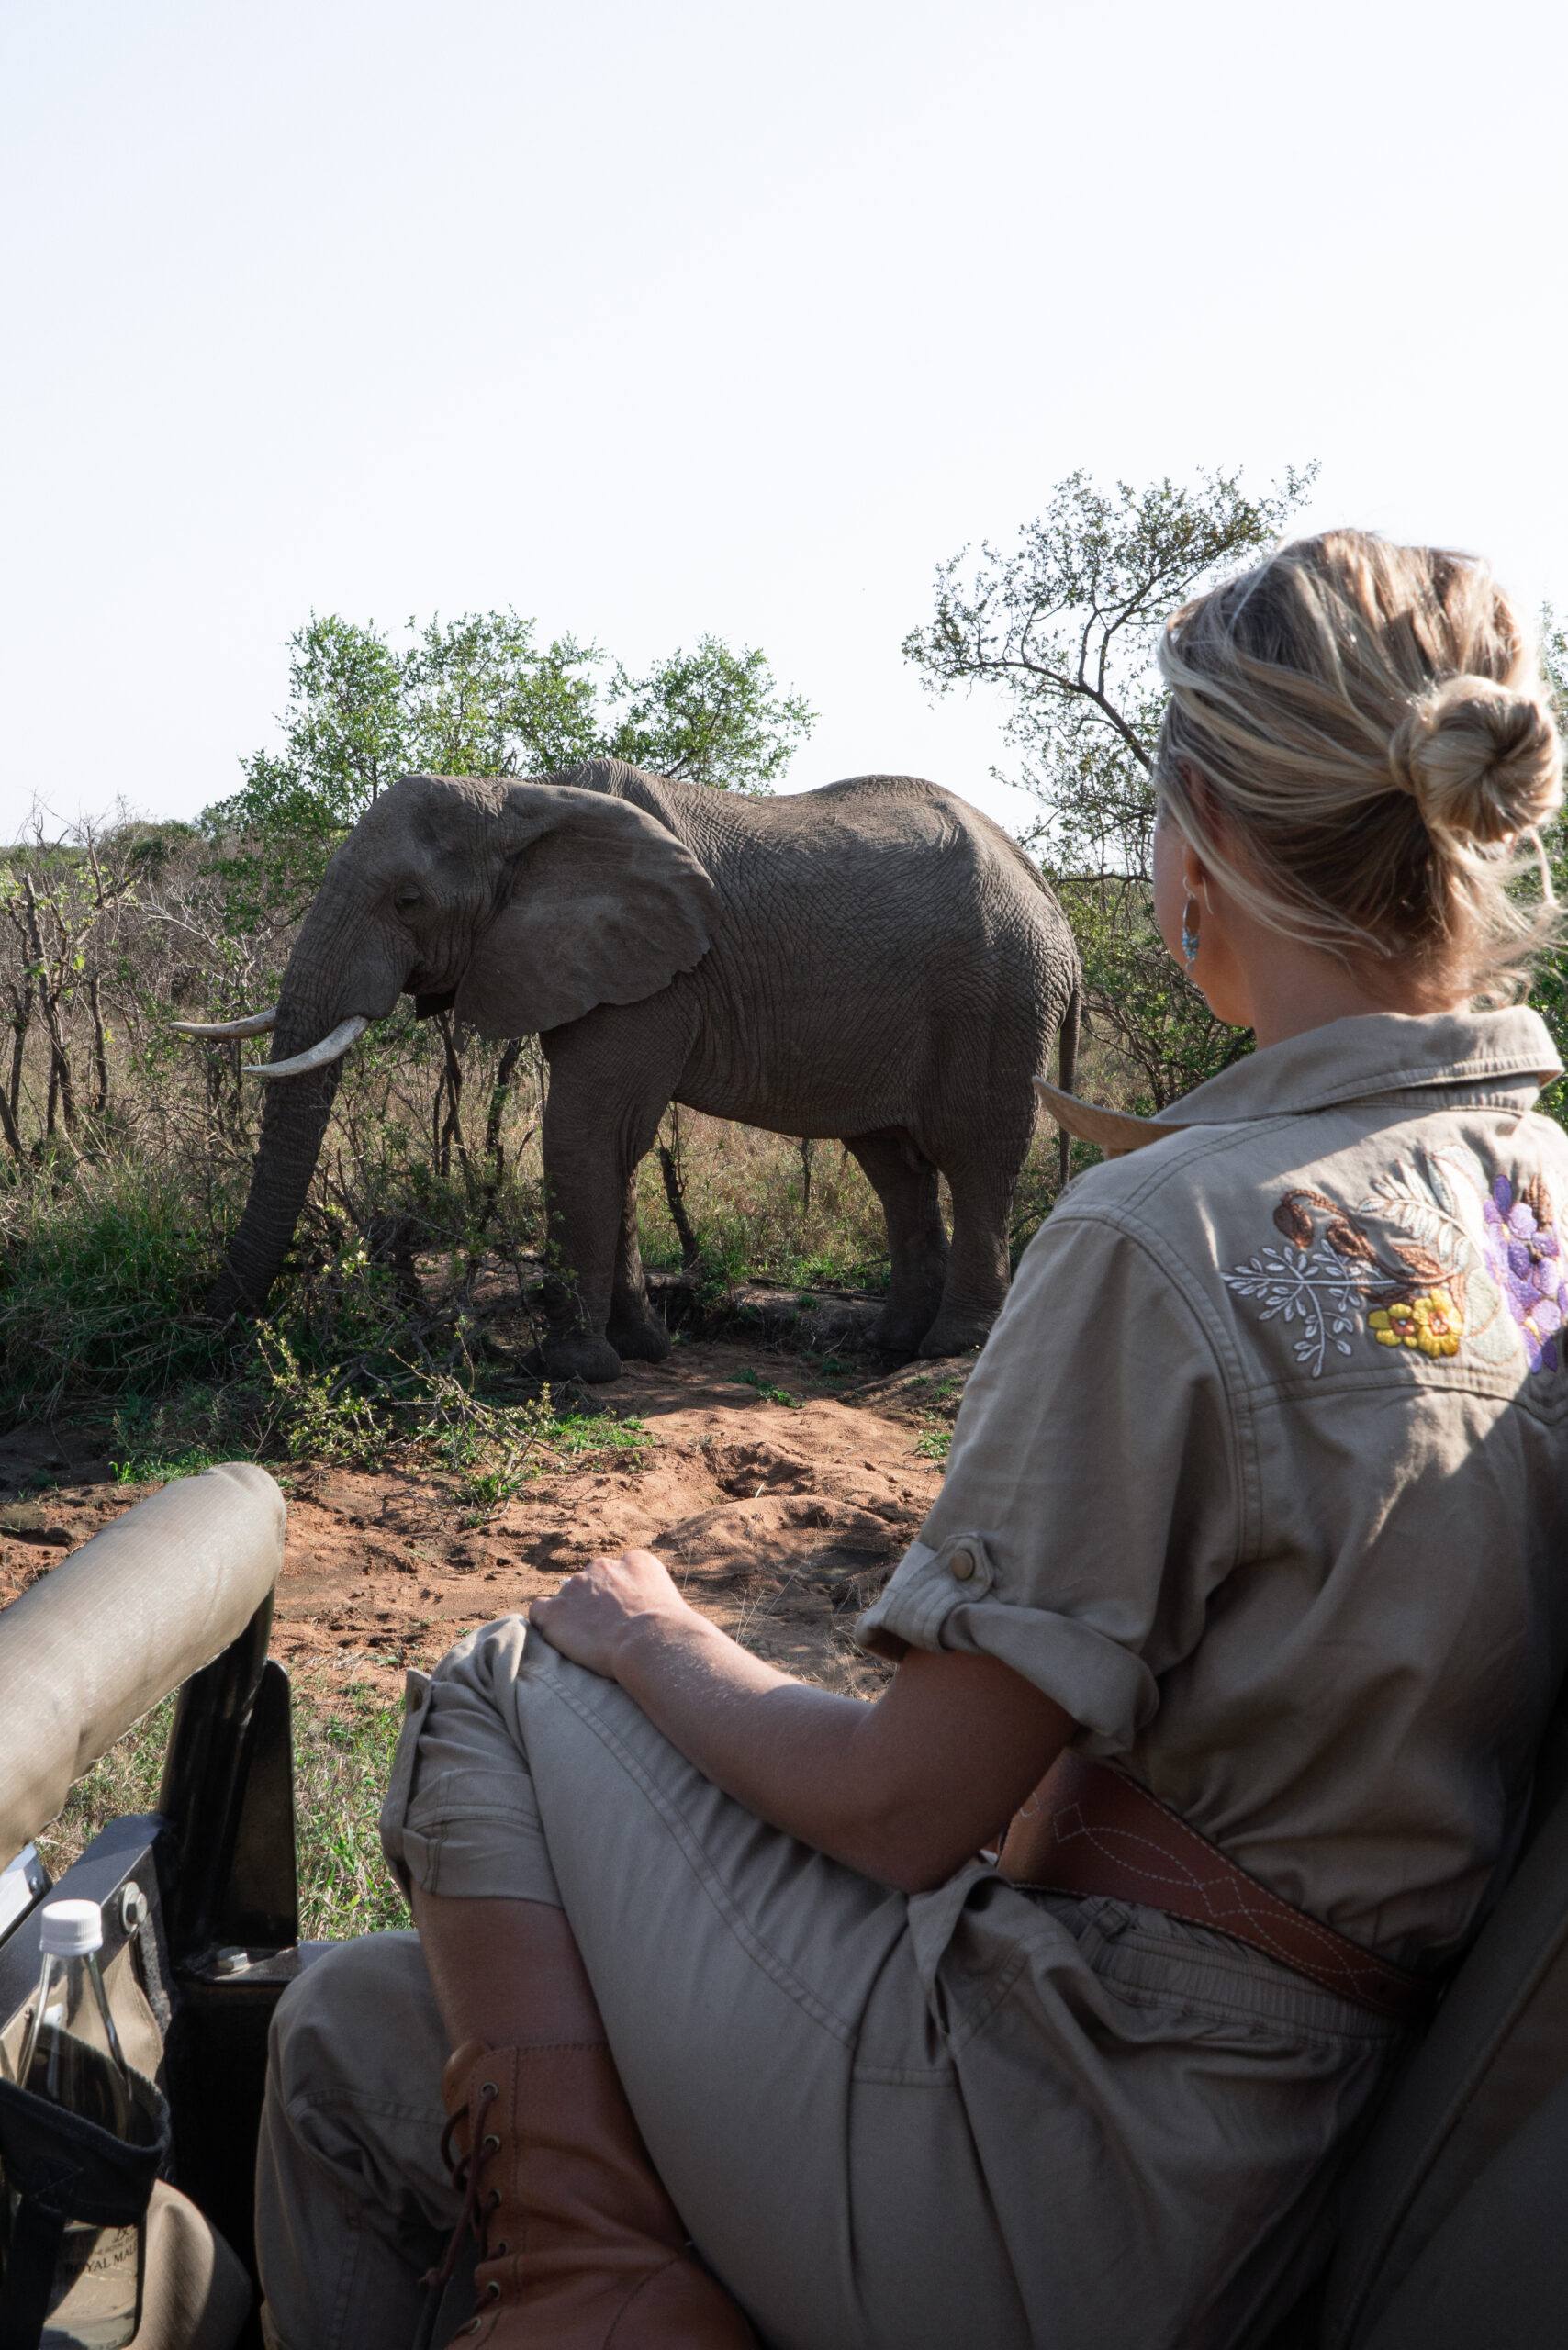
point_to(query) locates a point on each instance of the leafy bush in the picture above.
(101, 1280)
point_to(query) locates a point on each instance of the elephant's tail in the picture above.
(1067, 1066)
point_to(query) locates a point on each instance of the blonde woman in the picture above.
(1249, 1549)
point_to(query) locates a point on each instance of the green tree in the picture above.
(711, 716)
(478, 695)
(1065, 625)
(481, 699)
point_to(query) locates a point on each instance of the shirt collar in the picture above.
(1508, 1052)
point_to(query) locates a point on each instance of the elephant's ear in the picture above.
(602, 905)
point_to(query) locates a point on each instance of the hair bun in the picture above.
(1481, 760)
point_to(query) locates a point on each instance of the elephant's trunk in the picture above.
(311, 1015)
(294, 1120)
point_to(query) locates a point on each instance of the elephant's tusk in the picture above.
(257, 1024)
(330, 1048)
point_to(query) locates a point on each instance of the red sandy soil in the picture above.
(779, 1524)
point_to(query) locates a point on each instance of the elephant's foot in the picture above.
(901, 1326)
(579, 1354)
(957, 1334)
(644, 1340)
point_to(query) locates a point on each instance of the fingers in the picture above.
(642, 1570)
(590, 1617)
(632, 1581)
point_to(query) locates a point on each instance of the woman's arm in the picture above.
(903, 1790)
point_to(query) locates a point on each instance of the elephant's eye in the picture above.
(405, 898)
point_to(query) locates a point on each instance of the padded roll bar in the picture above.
(139, 1609)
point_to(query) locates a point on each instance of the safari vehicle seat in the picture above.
(199, 1899)
(1453, 2232)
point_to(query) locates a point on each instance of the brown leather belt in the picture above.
(1088, 1828)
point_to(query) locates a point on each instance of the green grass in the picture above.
(103, 1279)
(746, 1194)
(510, 1447)
(342, 1758)
(941, 1409)
(100, 1283)
(105, 1261)
(580, 1432)
(155, 1464)
(770, 1394)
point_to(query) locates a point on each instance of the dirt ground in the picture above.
(780, 1521)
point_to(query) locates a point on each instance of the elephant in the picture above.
(874, 961)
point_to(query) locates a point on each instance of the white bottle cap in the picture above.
(71, 1929)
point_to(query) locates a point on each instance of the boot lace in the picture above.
(464, 2171)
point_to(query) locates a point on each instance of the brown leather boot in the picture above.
(578, 2241)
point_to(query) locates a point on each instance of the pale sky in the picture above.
(656, 317)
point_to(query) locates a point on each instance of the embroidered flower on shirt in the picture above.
(1431, 1322)
(1326, 1284)
(1444, 1254)
(1525, 1259)
(1435, 1198)
(1322, 1284)
(1310, 1286)
(1499, 1237)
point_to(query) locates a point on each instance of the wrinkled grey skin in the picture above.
(875, 961)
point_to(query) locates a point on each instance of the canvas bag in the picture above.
(63, 2168)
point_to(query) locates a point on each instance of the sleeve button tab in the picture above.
(961, 1565)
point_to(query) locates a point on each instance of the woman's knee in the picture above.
(461, 1815)
(360, 2017)
(484, 1667)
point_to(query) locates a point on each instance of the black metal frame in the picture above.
(218, 1940)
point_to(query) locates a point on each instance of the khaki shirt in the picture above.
(1263, 1474)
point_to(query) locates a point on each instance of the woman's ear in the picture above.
(601, 903)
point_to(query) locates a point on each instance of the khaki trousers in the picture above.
(195, 2294)
(971, 2117)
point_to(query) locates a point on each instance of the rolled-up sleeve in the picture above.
(1092, 1502)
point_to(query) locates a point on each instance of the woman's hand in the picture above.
(595, 1614)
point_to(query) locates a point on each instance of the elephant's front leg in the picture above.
(635, 1331)
(610, 1077)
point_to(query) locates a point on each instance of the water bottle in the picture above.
(93, 2304)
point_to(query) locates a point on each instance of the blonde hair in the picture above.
(1371, 722)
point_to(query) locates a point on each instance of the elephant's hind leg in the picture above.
(978, 1267)
(905, 1181)
(634, 1330)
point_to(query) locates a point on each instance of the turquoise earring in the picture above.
(1190, 931)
